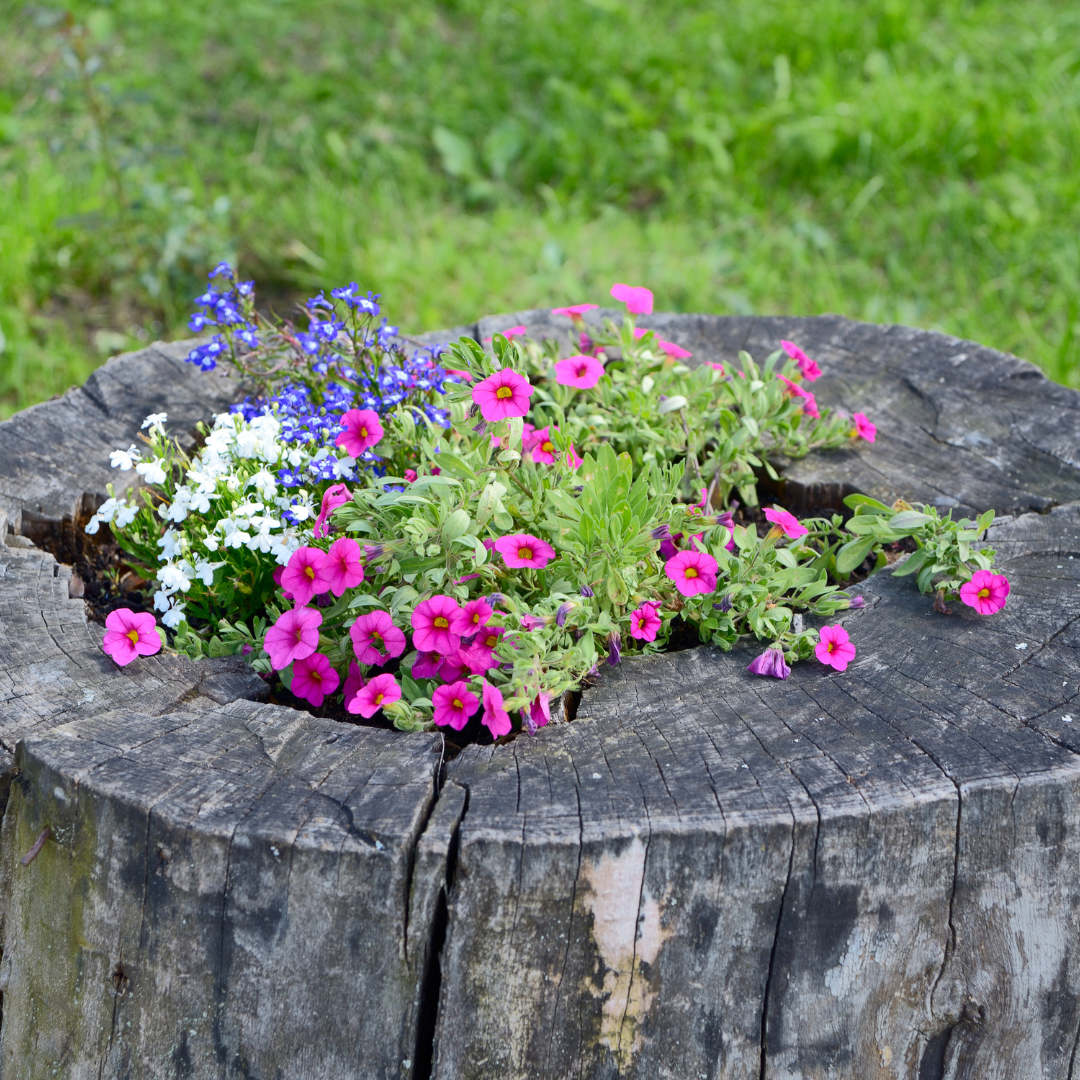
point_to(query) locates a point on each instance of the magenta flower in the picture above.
(513, 332)
(809, 405)
(375, 638)
(453, 667)
(787, 523)
(305, 575)
(676, 352)
(334, 496)
(502, 395)
(129, 634)
(572, 458)
(575, 311)
(471, 617)
(410, 476)
(313, 678)
(354, 681)
(985, 592)
(431, 622)
(293, 637)
(809, 370)
(361, 430)
(715, 366)
(342, 567)
(771, 662)
(834, 648)
(539, 713)
(534, 622)
(521, 549)
(668, 550)
(454, 704)
(644, 623)
(426, 665)
(864, 428)
(638, 299)
(496, 719)
(369, 699)
(692, 571)
(543, 448)
(582, 372)
(480, 655)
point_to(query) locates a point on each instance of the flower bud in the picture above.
(771, 662)
(661, 532)
(615, 645)
(725, 603)
(586, 591)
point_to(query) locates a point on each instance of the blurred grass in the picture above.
(894, 161)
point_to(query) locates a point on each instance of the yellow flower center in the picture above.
(983, 593)
(547, 447)
(491, 641)
(133, 634)
(504, 392)
(363, 433)
(440, 622)
(457, 703)
(525, 553)
(377, 637)
(691, 572)
(378, 698)
(831, 646)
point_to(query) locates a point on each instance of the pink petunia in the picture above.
(521, 550)
(543, 451)
(454, 704)
(787, 523)
(426, 665)
(410, 476)
(864, 428)
(771, 662)
(471, 617)
(572, 458)
(369, 699)
(809, 370)
(638, 299)
(480, 655)
(334, 496)
(810, 406)
(692, 571)
(313, 678)
(676, 352)
(582, 372)
(575, 311)
(453, 667)
(294, 636)
(834, 648)
(354, 681)
(463, 376)
(129, 634)
(361, 430)
(496, 719)
(305, 575)
(986, 592)
(539, 713)
(715, 366)
(431, 622)
(375, 638)
(644, 623)
(502, 395)
(513, 332)
(342, 567)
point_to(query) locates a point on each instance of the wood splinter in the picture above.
(39, 843)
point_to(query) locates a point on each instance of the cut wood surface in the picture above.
(706, 875)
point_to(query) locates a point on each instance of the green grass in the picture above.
(888, 159)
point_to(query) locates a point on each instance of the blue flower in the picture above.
(223, 269)
(290, 478)
(199, 322)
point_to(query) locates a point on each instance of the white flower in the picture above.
(296, 457)
(345, 468)
(170, 544)
(204, 571)
(156, 420)
(210, 542)
(173, 616)
(93, 524)
(151, 471)
(173, 578)
(124, 459)
(200, 502)
(125, 514)
(162, 601)
(177, 510)
(263, 482)
(236, 539)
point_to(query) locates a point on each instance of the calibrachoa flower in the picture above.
(129, 634)
(669, 348)
(770, 662)
(336, 495)
(305, 575)
(809, 401)
(985, 592)
(471, 617)
(480, 655)
(511, 333)
(572, 458)
(426, 665)
(372, 696)
(834, 648)
(864, 428)
(644, 623)
(375, 637)
(521, 549)
(786, 523)
(692, 571)
(431, 622)
(809, 370)
(353, 681)
(361, 430)
(502, 395)
(575, 311)
(314, 678)
(543, 451)
(454, 704)
(539, 713)
(342, 567)
(638, 299)
(496, 719)
(294, 636)
(581, 372)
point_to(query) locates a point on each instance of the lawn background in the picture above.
(892, 160)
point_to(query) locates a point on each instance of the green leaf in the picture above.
(672, 404)
(911, 564)
(909, 520)
(854, 502)
(852, 554)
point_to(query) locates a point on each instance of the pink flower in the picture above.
(454, 704)
(986, 592)
(452, 667)
(294, 636)
(480, 655)
(787, 523)
(809, 405)
(715, 366)
(575, 311)
(644, 623)
(582, 372)
(834, 648)
(502, 395)
(464, 376)
(368, 700)
(374, 634)
(513, 332)
(692, 571)
(431, 621)
(471, 617)
(521, 549)
(810, 371)
(638, 299)
(354, 681)
(334, 496)
(864, 428)
(313, 678)
(572, 458)
(426, 665)
(129, 634)
(305, 575)
(496, 719)
(676, 352)
(410, 476)
(539, 713)
(770, 662)
(342, 566)
(361, 430)
(543, 452)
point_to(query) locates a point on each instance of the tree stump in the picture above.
(705, 875)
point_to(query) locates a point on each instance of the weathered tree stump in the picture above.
(705, 875)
